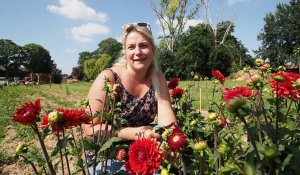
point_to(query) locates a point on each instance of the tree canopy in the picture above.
(39, 59)
(281, 34)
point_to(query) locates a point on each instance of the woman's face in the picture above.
(138, 51)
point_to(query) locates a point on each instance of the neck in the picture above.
(140, 76)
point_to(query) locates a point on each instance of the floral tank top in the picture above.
(137, 111)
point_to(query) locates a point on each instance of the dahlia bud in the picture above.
(265, 67)
(253, 80)
(164, 171)
(270, 152)
(296, 84)
(53, 116)
(212, 116)
(222, 148)
(279, 78)
(281, 68)
(22, 148)
(259, 61)
(193, 122)
(121, 154)
(235, 103)
(166, 134)
(246, 69)
(85, 103)
(200, 146)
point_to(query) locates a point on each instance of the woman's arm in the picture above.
(165, 111)
(96, 96)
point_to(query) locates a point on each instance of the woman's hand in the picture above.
(148, 132)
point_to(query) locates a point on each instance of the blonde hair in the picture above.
(153, 69)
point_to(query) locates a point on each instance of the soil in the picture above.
(18, 167)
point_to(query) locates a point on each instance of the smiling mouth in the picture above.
(140, 59)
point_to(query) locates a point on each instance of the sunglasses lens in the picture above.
(142, 24)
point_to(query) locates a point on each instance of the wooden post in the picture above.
(200, 99)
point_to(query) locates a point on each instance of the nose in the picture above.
(138, 50)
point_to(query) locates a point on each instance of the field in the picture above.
(62, 96)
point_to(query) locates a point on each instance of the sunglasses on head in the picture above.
(139, 24)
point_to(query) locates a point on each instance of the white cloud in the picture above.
(75, 9)
(232, 2)
(85, 32)
(70, 50)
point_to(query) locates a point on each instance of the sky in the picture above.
(68, 27)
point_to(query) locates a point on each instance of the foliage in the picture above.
(39, 59)
(92, 67)
(56, 74)
(12, 58)
(78, 72)
(250, 130)
(111, 47)
(172, 16)
(280, 35)
(197, 53)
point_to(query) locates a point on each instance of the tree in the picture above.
(12, 58)
(92, 67)
(78, 72)
(111, 47)
(281, 34)
(39, 59)
(198, 53)
(83, 56)
(193, 51)
(173, 16)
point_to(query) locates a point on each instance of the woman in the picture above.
(143, 90)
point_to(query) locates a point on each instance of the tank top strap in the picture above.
(116, 76)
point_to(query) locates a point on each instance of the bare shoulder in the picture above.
(107, 73)
(161, 75)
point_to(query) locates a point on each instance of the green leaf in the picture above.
(109, 143)
(286, 161)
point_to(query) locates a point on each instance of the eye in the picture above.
(144, 45)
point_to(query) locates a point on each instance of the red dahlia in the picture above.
(177, 140)
(144, 156)
(67, 118)
(28, 113)
(173, 83)
(236, 97)
(285, 87)
(177, 93)
(218, 75)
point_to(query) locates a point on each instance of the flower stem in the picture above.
(50, 166)
(76, 148)
(250, 137)
(83, 149)
(60, 152)
(32, 165)
(66, 156)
